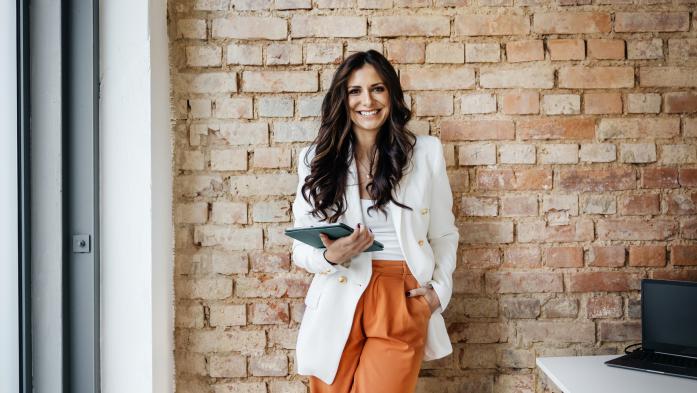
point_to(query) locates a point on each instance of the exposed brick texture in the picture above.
(569, 130)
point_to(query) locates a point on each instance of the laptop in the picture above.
(668, 330)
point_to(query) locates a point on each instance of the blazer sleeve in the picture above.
(304, 255)
(442, 235)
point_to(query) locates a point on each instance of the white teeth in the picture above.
(369, 113)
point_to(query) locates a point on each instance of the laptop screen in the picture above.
(669, 316)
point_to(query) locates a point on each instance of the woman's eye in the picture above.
(379, 89)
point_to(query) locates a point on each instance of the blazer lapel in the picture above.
(396, 211)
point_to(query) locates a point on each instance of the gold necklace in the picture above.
(369, 175)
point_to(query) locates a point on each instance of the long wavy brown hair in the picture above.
(325, 186)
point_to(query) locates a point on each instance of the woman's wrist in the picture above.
(327, 259)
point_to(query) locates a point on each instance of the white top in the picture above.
(384, 232)
(590, 374)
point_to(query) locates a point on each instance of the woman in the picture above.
(372, 317)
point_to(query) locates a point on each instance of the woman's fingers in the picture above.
(421, 291)
(326, 240)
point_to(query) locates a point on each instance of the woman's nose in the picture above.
(366, 98)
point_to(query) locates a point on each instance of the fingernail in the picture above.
(359, 225)
(407, 293)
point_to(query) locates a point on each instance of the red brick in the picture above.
(566, 49)
(688, 228)
(476, 206)
(654, 256)
(682, 204)
(636, 205)
(272, 157)
(520, 51)
(679, 275)
(556, 128)
(596, 77)
(680, 102)
(638, 128)
(651, 21)
(269, 261)
(405, 51)
(659, 178)
(459, 180)
(479, 307)
(597, 180)
(434, 104)
(683, 255)
(667, 76)
(481, 258)
(486, 232)
(279, 81)
(477, 357)
(272, 365)
(602, 103)
(516, 358)
(605, 49)
(467, 282)
(688, 177)
(520, 307)
(619, 331)
(524, 77)
(476, 130)
(564, 257)
(250, 28)
(634, 229)
(604, 307)
(327, 26)
(557, 332)
(572, 22)
(518, 205)
(521, 257)
(445, 52)
(524, 282)
(269, 314)
(514, 180)
(606, 256)
(410, 25)
(477, 332)
(522, 103)
(437, 78)
(560, 308)
(577, 230)
(603, 282)
(488, 25)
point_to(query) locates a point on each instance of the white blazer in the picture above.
(427, 236)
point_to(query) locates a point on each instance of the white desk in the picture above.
(589, 374)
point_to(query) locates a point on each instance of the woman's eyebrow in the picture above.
(374, 84)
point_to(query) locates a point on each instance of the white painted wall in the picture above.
(9, 305)
(161, 201)
(47, 196)
(136, 178)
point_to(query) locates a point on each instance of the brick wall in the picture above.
(569, 128)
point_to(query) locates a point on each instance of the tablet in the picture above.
(310, 235)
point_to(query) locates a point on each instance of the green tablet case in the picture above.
(310, 235)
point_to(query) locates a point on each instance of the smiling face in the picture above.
(368, 99)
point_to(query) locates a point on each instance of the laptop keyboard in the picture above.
(676, 361)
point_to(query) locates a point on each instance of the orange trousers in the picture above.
(385, 347)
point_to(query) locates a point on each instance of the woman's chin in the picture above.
(371, 125)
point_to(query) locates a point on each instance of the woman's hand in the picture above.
(343, 249)
(429, 294)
